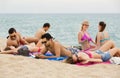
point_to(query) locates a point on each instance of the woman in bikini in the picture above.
(102, 36)
(100, 55)
(84, 38)
(22, 50)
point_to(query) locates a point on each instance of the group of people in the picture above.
(101, 50)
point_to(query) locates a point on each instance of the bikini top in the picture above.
(85, 37)
(104, 39)
(88, 53)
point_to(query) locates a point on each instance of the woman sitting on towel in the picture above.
(84, 37)
(102, 36)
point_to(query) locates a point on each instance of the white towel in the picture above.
(115, 60)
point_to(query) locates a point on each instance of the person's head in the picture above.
(101, 26)
(23, 51)
(73, 59)
(12, 33)
(46, 39)
(46, 26)
(85, 25)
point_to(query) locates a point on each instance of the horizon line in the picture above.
(59, 13)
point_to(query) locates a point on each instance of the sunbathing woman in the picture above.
(22, 50)
(100, 55)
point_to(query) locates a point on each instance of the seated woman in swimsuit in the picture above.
(102, 36)
(22, 49)
(84, 38)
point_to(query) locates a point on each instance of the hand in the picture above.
(40, 56)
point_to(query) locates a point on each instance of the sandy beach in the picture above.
(12, 66)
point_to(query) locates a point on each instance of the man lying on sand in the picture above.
(15, 39)
(59, 50)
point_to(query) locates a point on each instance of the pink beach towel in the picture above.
(89, 64)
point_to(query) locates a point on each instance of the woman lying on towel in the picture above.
(100, 55)
(22, 50)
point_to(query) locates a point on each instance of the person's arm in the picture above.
(9, 51)
(91, 39)
(42, 56)
(39, 44)
(21, 39)
(24, 41)
(95, 60)
(57, 52)
(92, 60)
(8, 43)
(97, 41)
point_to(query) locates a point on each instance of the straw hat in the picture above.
(85, 22)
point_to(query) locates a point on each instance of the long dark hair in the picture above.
(103, 25)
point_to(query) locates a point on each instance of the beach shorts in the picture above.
(73, 50)
(105, 55)
(23, 51)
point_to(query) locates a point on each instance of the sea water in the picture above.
(64, 27)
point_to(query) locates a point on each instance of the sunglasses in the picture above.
(85, 25)
(44, 42)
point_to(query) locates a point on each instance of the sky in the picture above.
(59, 6)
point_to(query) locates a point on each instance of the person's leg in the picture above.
(115, 52)
(31, 39)
(108, 45)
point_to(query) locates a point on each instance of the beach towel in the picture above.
(115, 60)
(48, 54)
(55, 59)
(92, 63)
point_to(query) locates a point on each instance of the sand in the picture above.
(12, 66)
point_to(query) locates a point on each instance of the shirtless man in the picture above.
(53, 46)
(15, 39)
(58, 50)
(38, 34)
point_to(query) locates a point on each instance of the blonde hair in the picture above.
(69, 60)
(85, 22)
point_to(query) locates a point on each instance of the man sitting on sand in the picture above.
(15, 39)
(59, 50)
(38, 34)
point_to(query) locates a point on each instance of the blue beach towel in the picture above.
(56, 59)
(50, 54)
